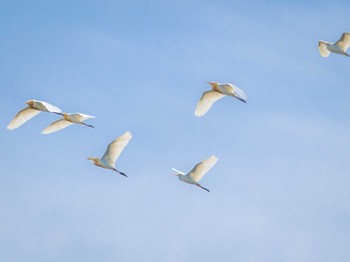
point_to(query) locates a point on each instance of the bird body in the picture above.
(112, 153)
(67, 120)
(339, 47)
(197, 172)
(102, 163)
(34, 107)
(188, 179)
(217, 92)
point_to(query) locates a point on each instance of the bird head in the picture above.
(65, 115)
(214, 85)
(179, 176)
(93, 159)
(30, 103)
(323, 42)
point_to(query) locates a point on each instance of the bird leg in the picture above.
(88, 125)
(203, 188)
(119, 172)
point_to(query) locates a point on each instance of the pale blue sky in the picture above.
(280, 190)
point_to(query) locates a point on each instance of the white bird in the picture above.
(112, 153)
(338, 47)
(67, 120)
(34, 108)
(218, 91)
(197, 172)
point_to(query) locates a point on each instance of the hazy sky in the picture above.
(280, 190)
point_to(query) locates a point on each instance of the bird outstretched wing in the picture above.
(207, 100)
(56, 126)
(21, 117)
(202, 168)
(322, 48)
(116, 148)
(344, 41)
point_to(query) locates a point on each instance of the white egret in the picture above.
(218, 91)
(112, 153)
(34, 108)
(197, 172)
(67, 120)
(338, 47)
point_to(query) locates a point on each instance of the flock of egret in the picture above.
(116, 147)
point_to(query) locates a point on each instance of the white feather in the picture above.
(115, 148)
(21, 117)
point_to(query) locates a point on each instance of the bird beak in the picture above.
(211, 83)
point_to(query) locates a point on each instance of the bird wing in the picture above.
(207, 100)
(322, 48)
(115, 148)
(49, 108)
(202, 168)
(81, 116)
(177, 171)
(21, 117)
(344, 41)
(55, 126)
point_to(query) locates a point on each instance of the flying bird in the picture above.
(67, 120)
(34, 107)
(197, 172)
(218, 91)
(338, 47)
(112, 153)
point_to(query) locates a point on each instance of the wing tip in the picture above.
(128, 134)
(322, 49)
(46, 132)
(214, 158)
(199, 113)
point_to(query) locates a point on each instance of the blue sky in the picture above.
(280, 190)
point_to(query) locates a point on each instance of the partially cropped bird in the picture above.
(34, 108)
(112, 153)
(338, 47)
(218, 91)
(197, 172)
(67, 120)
